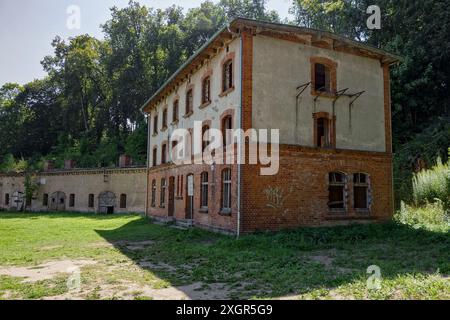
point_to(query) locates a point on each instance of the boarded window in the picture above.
(45, 200)
(91, 201)
(227, 77)
(189, 101)
(336, 190)
(153, 202)
(206, 90)
(226, 190)
(360, 191)
(123, 201)
(322, 78)
(72, 200)
(204, 190)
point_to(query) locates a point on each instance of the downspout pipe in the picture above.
(238, 224)
(146, 116)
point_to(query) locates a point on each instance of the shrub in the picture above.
(432, 184)
(430, 216)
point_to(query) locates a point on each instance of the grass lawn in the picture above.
(127, 257)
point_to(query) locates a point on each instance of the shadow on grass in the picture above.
(269, 265)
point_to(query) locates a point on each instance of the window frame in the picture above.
(226, 183)
(206, 91)
(337, 184)
(329, 65)
(204, 191)
(153, 195)
(162, 195)
(189, 103)
(175, 110)
(366, 185)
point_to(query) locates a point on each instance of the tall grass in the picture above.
(432, 216)
(432, 185)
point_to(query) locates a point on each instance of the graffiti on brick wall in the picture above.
(276, 196)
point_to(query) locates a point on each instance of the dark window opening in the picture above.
(164, 119)
(155, 153)
(204, 191)
(322, 133)
(322, 78)
(227, 77)
(7, 199)
(91, 201)
(153, 202)
(175, 111)
(336, 190)
(226, 126)
(162, 199)
(205, 137)
(189, 102)
(71, 200)
(164, 153)
(45, 200)
(226, 190)
(155, 125)
(206, 90)
(123, 201)
(360, 191)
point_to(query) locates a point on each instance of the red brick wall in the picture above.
(211, 220)
(302, 189)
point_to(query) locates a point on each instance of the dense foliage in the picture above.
(87, 108)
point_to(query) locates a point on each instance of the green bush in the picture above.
(430, 216)
(433, 184)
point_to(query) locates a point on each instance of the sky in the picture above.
(27, 28)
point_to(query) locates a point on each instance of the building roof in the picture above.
(230, 31)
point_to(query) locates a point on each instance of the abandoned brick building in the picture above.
(330, 99)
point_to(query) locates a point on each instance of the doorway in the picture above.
(106, 202)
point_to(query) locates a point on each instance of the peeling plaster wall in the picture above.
(280, 66)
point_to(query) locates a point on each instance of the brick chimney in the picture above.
(125, 161)
(49, 165)
(69, 164)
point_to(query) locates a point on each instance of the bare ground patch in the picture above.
(44, 271)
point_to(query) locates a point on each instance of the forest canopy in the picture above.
(87, 107)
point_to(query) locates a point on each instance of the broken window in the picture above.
(336, 189)
(361, 191)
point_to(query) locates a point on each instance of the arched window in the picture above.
(153, 202)
(206, 90)
(361, 191)
(226, 190)
(227, 76)
(336, 189)
(123, 201)
(204, 191)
